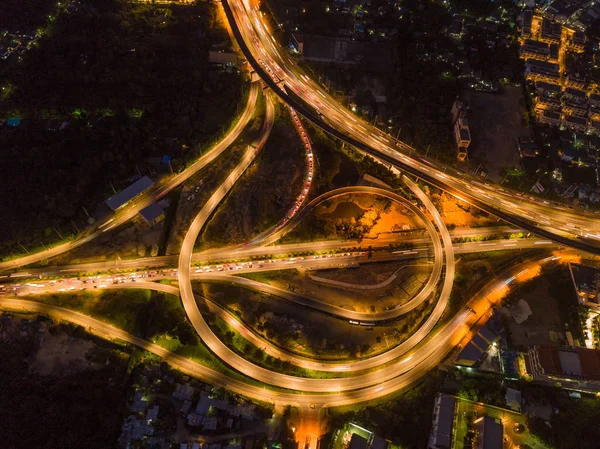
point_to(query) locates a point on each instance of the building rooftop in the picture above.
(465, 134)
(470, 353)
(379, 443)
(480, 342)
(484, 331)
(152, 413)
(548, 86)
(569, 363)
(493, 434)
(575, 92)
(124, 196)
(590, 363)
(151, 212)
(536, 45)
(442, 437)
(513, 399)
(551, 114)
(549, 359)
(543, 65)
(357, 442)
(575, 120)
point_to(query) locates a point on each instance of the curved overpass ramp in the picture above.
(401, 162)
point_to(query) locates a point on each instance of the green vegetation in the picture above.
(153, 316)
(404, 420)
(333, 166)
(479, 387)
(211, 178)
(266, 191)
(305, 334)
(133, 82)
(341, 167)
(560, 288)
(266, 276)
(49, 412)
(256, 355)
(150, 315)
(347, 221)
(575, 423)
(596, 331)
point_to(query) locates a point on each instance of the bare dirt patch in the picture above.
(460, 214)
(61, 355)
(496, 121)
(544, 325)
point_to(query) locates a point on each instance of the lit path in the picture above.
(151, 195)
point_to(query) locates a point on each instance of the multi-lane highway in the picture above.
(395, 368)
(422, 359)
(552, 221)
(360, 380)
(277, 257)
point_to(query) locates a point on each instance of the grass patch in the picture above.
(254, 354)
(153, 316)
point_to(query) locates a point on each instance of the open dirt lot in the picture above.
(543, 325)
(496, 123)
(61, 355)
(460, 214)
(391, 216)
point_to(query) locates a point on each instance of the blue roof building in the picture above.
(443, 421)
(13, 122)
(492, 435)
(152, 214)
(477, 347)
(124, 196)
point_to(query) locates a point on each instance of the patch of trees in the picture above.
(353, 228)
(574, 423)
(25, 15)
(53, 412)
(133, 82)
(405, 420)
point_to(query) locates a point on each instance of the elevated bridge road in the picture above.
(550, 222)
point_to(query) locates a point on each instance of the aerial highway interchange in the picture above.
(363, 379)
